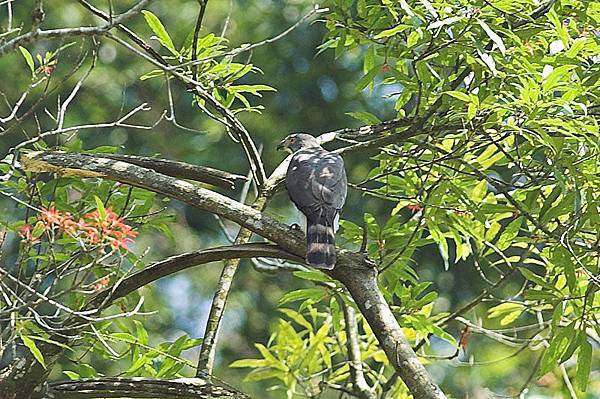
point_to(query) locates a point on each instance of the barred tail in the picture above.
(320, 241)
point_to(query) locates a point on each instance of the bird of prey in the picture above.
(317, 185)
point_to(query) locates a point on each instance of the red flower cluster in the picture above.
(26, 233)
(100, 284)
(95, 228)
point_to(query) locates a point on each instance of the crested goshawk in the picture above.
(317, 185)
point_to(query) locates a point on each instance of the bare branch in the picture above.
(217, 309)
(120, 122)
(182, 170)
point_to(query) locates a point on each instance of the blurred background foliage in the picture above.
(315, 92)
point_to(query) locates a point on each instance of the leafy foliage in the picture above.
(491, 179)
(498, 168)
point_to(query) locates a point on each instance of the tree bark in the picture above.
(184, 388)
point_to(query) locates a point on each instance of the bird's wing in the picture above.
(316, 179)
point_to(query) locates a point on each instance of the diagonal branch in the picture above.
(359, 384)
(233, 124)
(88, 165)
(211, 332)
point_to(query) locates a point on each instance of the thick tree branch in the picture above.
(361, 282)
(87, 165)
(182, 170)
(185, 388)
(354, 270)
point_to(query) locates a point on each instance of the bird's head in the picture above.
(297, 141)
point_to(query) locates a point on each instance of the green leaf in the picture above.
(558, 345)
(575, 342)
(368, 78)
(159, 30)
(253, 89)
(593, 11)
(556, 191)
(313, 275)
(100, 207)
(392, 31)
(508, 311)
(459, 95)
(138, 364)
(365, 117)
(301, 294)
(38, 229)
(141, 332)
(413, 38)
(479, 191)
(556, 76)
(509, 234)
(493, 35)
(538, 295)
(489, 61)
(297, 317)
(404, 5)
(369, 61)
(249, 363)
(28, 59)
(531, 276)
(50, 341)
(584, 366)
(472, 110)
(259, 375)
(72, 375)
(443, 22)
(152, 74)
(37, 354)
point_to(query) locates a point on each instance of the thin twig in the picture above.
(39, 34)
(203, 4)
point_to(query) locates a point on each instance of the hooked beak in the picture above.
(281, 145)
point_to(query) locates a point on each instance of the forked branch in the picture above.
(354, 270)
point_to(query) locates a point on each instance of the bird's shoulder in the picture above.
(316, 156)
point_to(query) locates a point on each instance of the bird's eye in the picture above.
(293, 140)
